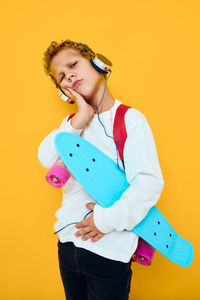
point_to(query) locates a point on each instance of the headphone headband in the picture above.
(79, 44)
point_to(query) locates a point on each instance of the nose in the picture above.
(69, 77)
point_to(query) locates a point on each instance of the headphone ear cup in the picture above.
(104, 59)
(101, 63)
(64, 97)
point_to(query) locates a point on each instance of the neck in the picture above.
(107, 102)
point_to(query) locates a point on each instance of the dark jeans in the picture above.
(88, 276)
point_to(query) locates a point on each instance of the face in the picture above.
(68, 65)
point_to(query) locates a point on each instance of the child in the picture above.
(95, 254)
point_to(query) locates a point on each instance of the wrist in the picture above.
(78, 122)
(100, 219)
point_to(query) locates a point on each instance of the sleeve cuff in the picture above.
(100, 219)
(68, 127)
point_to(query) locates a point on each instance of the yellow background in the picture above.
(154, 48)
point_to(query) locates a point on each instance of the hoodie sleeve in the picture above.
(47, 153)
(143, 173)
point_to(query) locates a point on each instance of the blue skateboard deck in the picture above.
(101, 178)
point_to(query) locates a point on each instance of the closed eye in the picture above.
(70, 67)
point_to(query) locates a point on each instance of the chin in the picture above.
(87, 96)
(88, 93)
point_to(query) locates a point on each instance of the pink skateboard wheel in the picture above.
(144, 253)
(57, 175)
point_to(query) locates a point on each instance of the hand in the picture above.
(82, 104)
(88, 228)
(85, 111)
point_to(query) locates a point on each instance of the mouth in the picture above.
(76, 83)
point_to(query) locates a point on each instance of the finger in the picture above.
(89, 235)
(82, 231)
(83, 223)
(68, 93)
(73, 92)
(90, 206)
(97, 237)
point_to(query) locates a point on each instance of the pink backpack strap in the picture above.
(144, 252)
(119, 129)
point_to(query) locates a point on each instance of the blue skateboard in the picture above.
(102, 179)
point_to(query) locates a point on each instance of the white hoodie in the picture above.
(143, 173)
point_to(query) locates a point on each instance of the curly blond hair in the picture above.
(55, 47)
